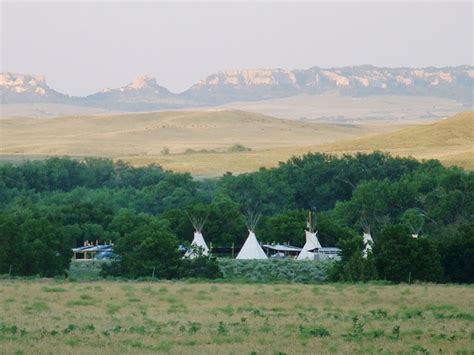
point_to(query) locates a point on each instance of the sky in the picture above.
(84, 47)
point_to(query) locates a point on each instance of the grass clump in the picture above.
(37, 307)
(53, 289)
(319, 332)
(238, 148)
(112, 309)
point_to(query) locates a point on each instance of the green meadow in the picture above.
(45, 316)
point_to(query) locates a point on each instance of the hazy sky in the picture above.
(84, 47)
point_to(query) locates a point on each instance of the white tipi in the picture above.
(198, 243)
(415, 228)
(312, 244)
(367, 238)
(251, 248)
(368, 241)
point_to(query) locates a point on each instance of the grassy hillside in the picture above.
(450, 140)
(201, 141)
(148, 134)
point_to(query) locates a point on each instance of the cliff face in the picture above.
(23, 88)
(252, 84)
(144, 93)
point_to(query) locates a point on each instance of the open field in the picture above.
(450, 141)
(200, 142)
(147, 134)
(46, 316)
(128, 136)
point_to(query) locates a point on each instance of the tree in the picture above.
(150, 249)
(284, 227)
(399, 257)
(353, 266)
(457, 255)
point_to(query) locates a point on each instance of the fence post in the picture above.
(232, 250)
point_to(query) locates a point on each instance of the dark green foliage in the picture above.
(201, 267)
(353, 266)
(33, 246)
(457, 255)
(48, 207)
(401, 258)
(149, 250)
(284, 227)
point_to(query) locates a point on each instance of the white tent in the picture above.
(198, 243)
(368, 241)
(415, 235)
(312, 244)
(251, 249)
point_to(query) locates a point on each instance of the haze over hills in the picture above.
(144, 93)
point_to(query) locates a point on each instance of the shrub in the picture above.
(273, 270)
(238, 148)
(200, 267)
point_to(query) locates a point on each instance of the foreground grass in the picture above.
(46, 316)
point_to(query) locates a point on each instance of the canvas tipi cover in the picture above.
(312, 243)
(368, 241)
(251, 249)
(198, 242)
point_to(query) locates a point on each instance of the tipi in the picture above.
(198, 243)
(251, 248)
(368, 241)
(312, 244)
(416, 227)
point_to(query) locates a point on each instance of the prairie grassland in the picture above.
(142, 138)
(198, 142)
(451, 141)
(149, 133)
(47, 316)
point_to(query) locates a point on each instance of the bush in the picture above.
(304, 271)
(238, 148)
(353, 266)
(201, 267)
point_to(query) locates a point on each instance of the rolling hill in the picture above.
(206, 142)
(145, 134)
(450, 140)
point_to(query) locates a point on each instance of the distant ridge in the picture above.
(144, 93)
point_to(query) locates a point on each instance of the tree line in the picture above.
(47, 207)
